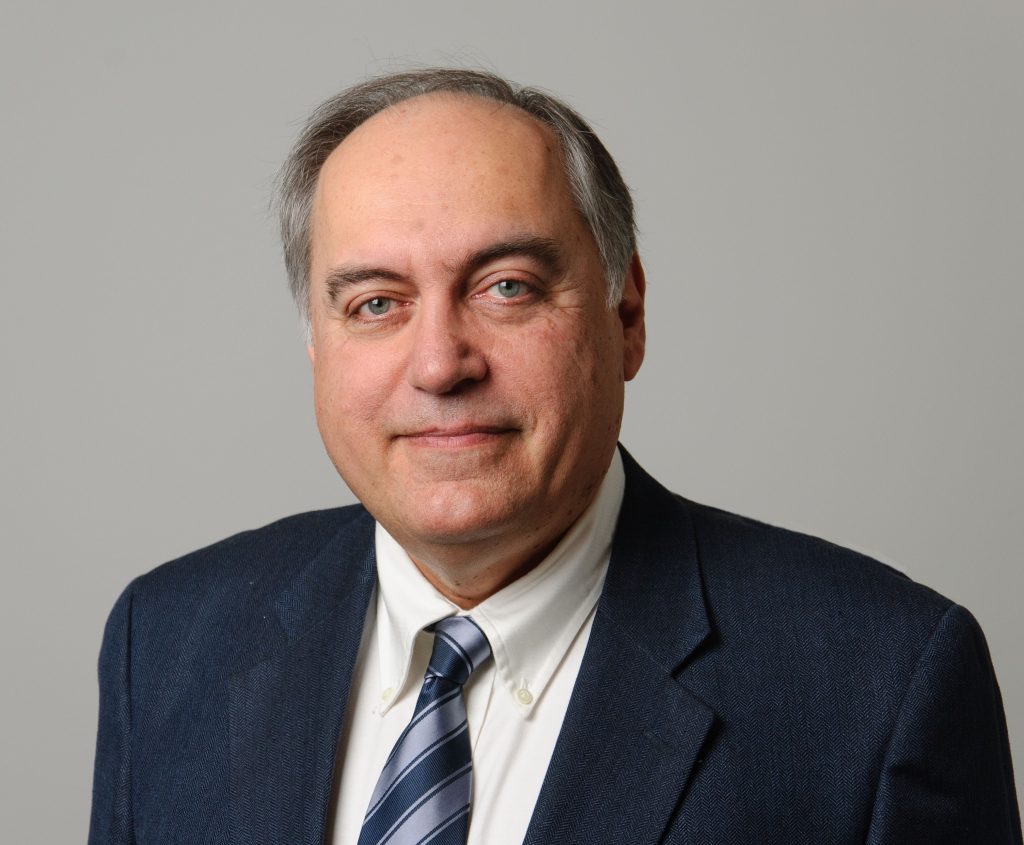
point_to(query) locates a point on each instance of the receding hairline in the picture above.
(549, 139)
(552, 143)
(409, 103)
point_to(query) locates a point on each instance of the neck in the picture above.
(466, 578)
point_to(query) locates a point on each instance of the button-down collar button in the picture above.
(524, 696)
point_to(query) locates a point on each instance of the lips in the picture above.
(459, 430)
(453, 436)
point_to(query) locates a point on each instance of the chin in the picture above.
(457, 517)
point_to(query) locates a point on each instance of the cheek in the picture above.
(346, 396)
(559, 373)
(586, 351)
(540, 362)
(592, 384)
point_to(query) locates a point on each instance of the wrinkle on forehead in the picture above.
(482, 110)
(439, 129)
(426, 163)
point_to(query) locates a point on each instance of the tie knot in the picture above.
(459, 648)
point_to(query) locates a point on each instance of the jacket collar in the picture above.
(633, 732)
(654, 591)
(631, 735)
(286, 712)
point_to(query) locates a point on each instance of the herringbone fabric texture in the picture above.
(424, 791)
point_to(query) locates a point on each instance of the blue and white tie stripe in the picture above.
(424, 791)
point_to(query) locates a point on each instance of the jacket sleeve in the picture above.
(947, 776)
(111, 820)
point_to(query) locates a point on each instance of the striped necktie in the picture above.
(423, 794)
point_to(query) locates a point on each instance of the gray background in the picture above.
(831, 201)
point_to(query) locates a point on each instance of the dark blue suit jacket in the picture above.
(742, 684)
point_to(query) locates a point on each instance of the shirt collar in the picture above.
(530, 624)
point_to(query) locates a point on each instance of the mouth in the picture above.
(456, 436)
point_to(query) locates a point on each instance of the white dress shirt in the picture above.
(538, 628)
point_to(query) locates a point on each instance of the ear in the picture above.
(311, 353)
(631, 315)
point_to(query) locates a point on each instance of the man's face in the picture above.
(468, 373)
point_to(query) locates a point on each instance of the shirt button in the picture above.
(524, 696)
(387, 695)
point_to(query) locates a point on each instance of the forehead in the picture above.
(443, 164)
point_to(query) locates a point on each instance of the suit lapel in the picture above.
(631, 735)
(632, 732)
(287, 710)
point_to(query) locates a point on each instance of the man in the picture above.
(519, 635)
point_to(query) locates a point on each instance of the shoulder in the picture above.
(219, 600)
(273, 552)
(769, 591)
(771, 588)
(747, 554)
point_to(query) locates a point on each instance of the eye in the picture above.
(378, 306)
(509, 288)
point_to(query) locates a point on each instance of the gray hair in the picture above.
(598, 190)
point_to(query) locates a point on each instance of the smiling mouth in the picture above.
(455, 437)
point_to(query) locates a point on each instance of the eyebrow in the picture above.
(341, 278)
(545, 251)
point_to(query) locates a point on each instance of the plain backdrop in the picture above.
(831, 202)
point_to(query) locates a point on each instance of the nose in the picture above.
(445, 355)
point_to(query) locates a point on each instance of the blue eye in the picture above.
(378, 306)
(509, 288)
